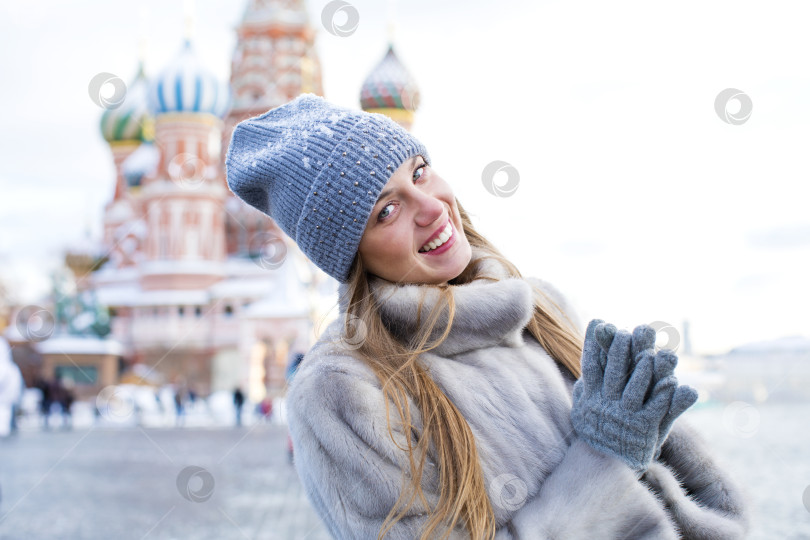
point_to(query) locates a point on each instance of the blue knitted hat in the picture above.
(317, 170)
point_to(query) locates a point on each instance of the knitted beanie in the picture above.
(317, 170)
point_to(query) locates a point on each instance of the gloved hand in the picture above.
(616, 407)
(663, 366)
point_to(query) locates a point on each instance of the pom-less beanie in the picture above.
(317, 170)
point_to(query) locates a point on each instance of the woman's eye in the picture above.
(417, 174)
(386, 211)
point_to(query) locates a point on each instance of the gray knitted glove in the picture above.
(614, 409)
(664, 366)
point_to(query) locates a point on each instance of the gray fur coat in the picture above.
(544, 483)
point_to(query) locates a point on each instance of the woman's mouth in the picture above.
(442, 242)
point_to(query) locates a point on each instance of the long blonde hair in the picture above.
(463, 498)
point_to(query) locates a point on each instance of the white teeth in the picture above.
(443, 237)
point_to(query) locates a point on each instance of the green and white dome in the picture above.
(127, 122)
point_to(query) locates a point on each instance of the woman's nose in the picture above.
(429, 209)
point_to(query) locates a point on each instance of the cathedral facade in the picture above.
(203, 290)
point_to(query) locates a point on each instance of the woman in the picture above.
(446, 400)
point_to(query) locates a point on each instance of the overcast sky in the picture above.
(634, 198)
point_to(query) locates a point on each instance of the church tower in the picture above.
(126, 127)
(129, 131)
(201, 292)
(274, 61)
(184, 199)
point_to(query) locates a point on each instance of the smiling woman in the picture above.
(506, 424)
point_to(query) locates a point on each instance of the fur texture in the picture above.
(544, 482)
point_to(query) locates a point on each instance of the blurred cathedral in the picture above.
(202, 289)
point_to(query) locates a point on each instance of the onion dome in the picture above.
(185, 85)
(390, 87)
(130, 121)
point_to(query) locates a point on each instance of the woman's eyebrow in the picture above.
(386, 192)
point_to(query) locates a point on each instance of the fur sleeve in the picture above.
(559, 302)
(703, 499)
(593, 495)
(348, 464)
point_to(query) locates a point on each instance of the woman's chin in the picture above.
(460, 258)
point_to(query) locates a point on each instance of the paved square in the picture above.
(153, 484)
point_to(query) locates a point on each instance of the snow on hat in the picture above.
(317, 170)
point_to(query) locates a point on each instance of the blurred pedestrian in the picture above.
(179, 406)
(45, 400)
(266, 409)
(238, 401)
(62, 394)
(292, 366)
(10, 388)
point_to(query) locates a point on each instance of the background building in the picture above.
(202, 291)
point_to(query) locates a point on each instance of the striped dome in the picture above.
(185, 85)
(389, 86)
(126, 123)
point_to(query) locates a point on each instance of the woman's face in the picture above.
(414, 234)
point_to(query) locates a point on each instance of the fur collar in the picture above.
(488, 313)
